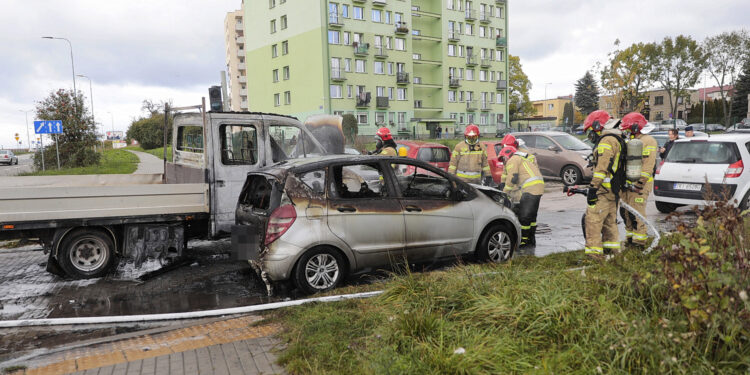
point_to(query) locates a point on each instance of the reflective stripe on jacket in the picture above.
(469, 162)
(606, 150)
(388, 151)
(650, 147)
(522, 173)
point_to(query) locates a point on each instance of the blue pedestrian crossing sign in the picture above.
(48, 127)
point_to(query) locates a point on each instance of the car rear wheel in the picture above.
(745, 204)
(319, 270)
(86, 253)
(665, 207)
(496, 245)
(570, 175)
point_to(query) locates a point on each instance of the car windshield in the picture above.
(703, 153)
(570, 142)
(434, 154)
(3, 152)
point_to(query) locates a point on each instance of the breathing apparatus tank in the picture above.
(634, 161)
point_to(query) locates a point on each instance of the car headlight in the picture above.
(584, 157)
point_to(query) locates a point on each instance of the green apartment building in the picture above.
(410, 65)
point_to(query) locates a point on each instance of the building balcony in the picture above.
(471, 105)
(242, 79)
(502, 84)
(486, 105)
(361, 49)
(501, 41)
(381, 102)
(239, 26)
(401, 28)
(454, 83)
(243, 105)
(454, 36)
(338, 74)
(359, 1)
(380, 52)
(500, 2)
(471, 60)
(486, 63)
(241, 52)
(484, 17)
(243, 92)
(402, 78)
(335, 20)
(470, 15)
(240, 40)
(363, 100)
(241, 66)
(379, 3)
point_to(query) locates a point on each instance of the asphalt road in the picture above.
(25, 165)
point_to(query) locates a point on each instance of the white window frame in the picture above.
(333, 90)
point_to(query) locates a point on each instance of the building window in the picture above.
(347, 65)
(460, 51)
(550, 106)
(469, 29)
(283, 22)
(452, 96)
(349, 91)
(359, 13)
(400, 44)
(469, 74)
(335, 91)
(499, 56)
(271, 3)
(377, 15)
(380, 90)
(347, 38)
(482, 31)
(390, 93)
(451, 50)
(483, 75)
(390, 68)
(274, 50)
(359, 66)
(362, 118)
(276, 75)
(273, 26)
(379, 67)
(659, 100)
(287, 97)
(276, 100)
(286, 73)
(388, 17)
(499, 98)
(333, 37)
(401, 92)
(499, 12)
(284, 47)
(345, 10)
(450, 4)
(380, 118)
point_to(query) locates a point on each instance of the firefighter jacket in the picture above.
(388, 151)
(606, 155)
(650, 147)
(469, 162)
(521, 175)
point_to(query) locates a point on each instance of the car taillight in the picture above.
(734, 170)
(659, 168)
(280, 221)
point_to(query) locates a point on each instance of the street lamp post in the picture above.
(72, 65)
(28, 135)
(91, 94)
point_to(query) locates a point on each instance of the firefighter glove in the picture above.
(591, 196)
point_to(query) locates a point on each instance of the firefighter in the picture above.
(469, 159)
(521, 176)
(385, 144)
(634, 127)
(603, 193)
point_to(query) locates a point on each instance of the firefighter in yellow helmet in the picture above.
(521, 176)
(469, 159)
(634, 125)
(385, 144)
(603, 193)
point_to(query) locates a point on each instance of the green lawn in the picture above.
(112, 162)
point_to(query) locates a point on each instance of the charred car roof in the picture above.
(310, 163)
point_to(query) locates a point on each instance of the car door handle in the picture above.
(346, 209)
(413, 209)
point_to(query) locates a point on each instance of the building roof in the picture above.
(710, 90)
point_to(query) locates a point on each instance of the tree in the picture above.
(349, 125)
(518, 89)
(568, 115)
(587, 93)
(76, 143)
(741, 90)
(725, 54)
(627, 75)
(149, 130)
(677, 64)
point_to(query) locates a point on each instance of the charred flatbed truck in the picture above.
(87, 222)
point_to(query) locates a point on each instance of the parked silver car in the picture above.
(7, 157)
(315, 221)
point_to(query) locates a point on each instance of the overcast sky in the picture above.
(174, 49)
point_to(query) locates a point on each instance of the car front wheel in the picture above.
(319, 270)
(570, 175)
(496, 245)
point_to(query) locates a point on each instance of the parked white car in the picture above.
(718, 160)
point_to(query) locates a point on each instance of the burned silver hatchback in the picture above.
(315, 221)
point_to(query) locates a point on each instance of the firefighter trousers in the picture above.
(601, 225)
(527, 212)
(636, 230)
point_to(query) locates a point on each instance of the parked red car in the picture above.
(433, 153)
(496, 165)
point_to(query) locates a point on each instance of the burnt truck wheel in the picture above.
(496, 244)
(571, 175)
(665, 207)
(86, 253)
(319, 270)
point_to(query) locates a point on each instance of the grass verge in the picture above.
(158, 152)
(112, 162)
(530, 315)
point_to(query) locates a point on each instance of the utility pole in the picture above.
(28, 136)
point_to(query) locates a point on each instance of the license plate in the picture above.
(690, 187)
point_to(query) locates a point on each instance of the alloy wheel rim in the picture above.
(322, 271)
(499, 247)
(88, 254)
(570, 176)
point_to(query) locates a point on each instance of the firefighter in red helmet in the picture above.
(523, 181)
(385, 145)
(635, 126)
(469, 159)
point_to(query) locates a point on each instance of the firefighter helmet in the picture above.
(506, 153)
(471, 134)
(596, 120)
(633, 122)
(384, 134)
(510, 140)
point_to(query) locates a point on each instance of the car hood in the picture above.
(496, 195)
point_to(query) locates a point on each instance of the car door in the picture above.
(364, 212)
(437, 225)
(549, 161)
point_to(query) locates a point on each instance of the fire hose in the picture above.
(572, 190)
